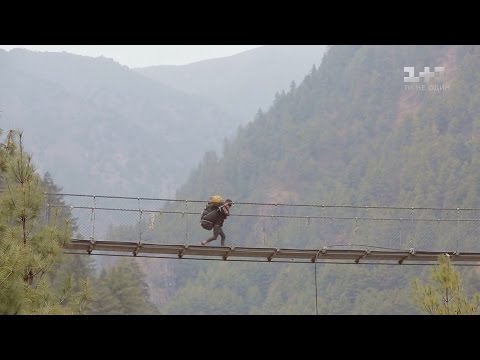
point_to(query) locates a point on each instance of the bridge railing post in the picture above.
(411, 242)
(457, 235)
(185, 217)
(140, 213)
(92, 220)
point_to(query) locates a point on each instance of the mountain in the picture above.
(102, 128)
(241, 84)
(352, 133)
(99, 127)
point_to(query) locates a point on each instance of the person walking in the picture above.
(214, 216)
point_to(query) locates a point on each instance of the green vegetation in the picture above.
(122, 290)
(350, 133)
(35, 276)
(444, 295)
(29, 247)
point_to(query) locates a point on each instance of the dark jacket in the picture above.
(216, 214)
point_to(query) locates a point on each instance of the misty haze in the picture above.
(326, 168)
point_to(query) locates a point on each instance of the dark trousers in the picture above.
(217, 230)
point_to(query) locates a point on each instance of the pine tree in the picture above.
(444, 295)
(52, 190)
(293, 86)
(2, 156)
(122, 290)
(74, 269)
(28, 246)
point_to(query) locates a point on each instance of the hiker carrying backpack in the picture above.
(213, 216)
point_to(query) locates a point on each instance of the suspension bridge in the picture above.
(270, 232)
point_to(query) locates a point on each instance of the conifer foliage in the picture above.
(30, 244)
(444, 295)
(122, 290)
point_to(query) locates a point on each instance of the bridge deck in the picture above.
(266, 254)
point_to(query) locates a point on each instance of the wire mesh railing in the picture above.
(170, 221)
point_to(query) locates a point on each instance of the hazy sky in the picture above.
(144, 55)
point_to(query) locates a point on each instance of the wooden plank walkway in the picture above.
(324, 255)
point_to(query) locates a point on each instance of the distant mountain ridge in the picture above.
(99, 127)
(241, 84)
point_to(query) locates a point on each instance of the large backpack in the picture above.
(208, 217)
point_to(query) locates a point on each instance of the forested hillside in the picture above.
(351, 133)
